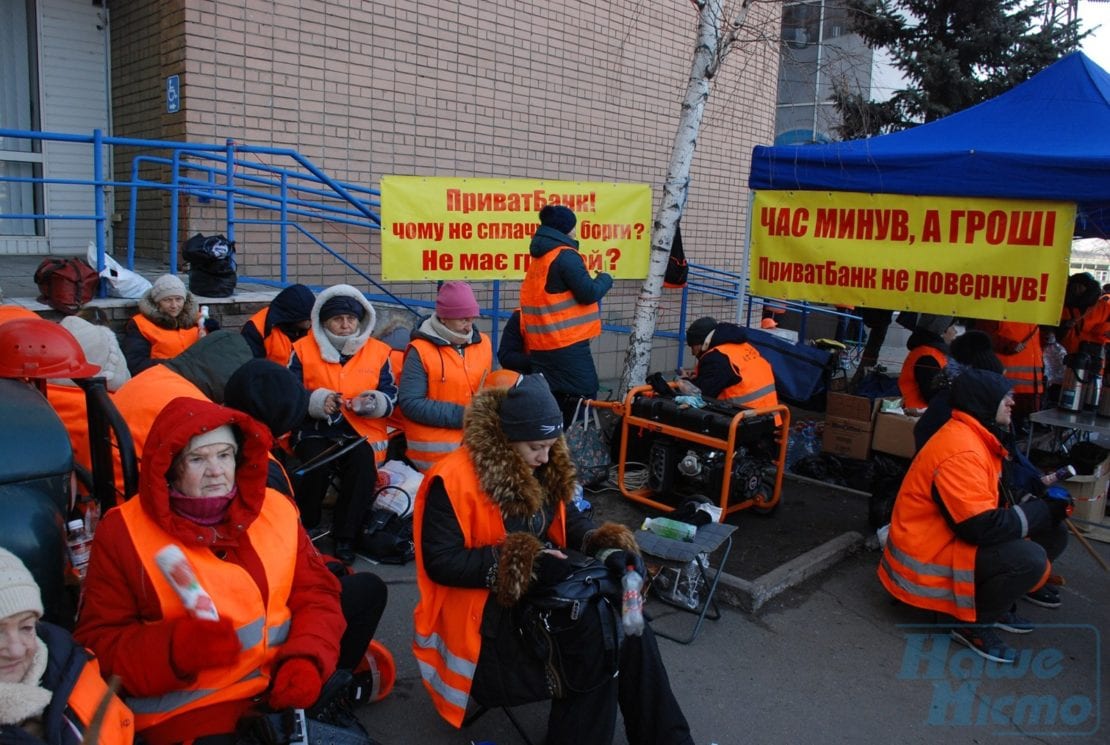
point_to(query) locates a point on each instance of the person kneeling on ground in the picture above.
(492, 522)
(50, 686)
(956, 544)
(279, 630)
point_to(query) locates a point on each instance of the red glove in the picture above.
(198, 644)
(296, 686)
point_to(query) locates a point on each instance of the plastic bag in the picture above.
(121, 282)
(588, 447)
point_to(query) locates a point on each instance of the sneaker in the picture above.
(1046, 597)
(1015, 624)
(984, 642)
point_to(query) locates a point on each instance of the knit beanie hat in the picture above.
(935, 324)
(339, 304)
(222, 435)
(973, 349)
(168, 285)
(978, 393)
(18, 590)
(700, 329)
(529, 411)
(558, 217)
(454, 300)
(270, 393)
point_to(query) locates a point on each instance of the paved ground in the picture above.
(830, 661)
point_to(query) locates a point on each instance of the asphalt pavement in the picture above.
(832, 660)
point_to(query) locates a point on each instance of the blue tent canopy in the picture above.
(1047, 138)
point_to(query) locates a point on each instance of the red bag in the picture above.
(66, 284)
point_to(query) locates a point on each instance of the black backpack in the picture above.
(212, 266)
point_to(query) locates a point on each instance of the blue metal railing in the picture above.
(250, 191)
(224, 174)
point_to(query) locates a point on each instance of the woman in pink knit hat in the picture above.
(445, 364)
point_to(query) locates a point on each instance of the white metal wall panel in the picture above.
(73, 59)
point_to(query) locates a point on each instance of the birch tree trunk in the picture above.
(714, 36)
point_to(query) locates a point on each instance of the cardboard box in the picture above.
(1089, 493)
(848, 423)
(847, 438)
(893, 434)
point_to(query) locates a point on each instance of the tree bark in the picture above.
(708, 53)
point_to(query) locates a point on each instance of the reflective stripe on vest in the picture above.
(361, 373)
(554, 320)
(756, 388)
(458, 665)
(922, 569)
(453, 376)
(165, 343)
(261, 624)
(447, 620)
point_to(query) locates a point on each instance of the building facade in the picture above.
(473, 88)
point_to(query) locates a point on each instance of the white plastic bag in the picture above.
(121, 282)
(398, 496)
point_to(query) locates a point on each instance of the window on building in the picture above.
(20, 159)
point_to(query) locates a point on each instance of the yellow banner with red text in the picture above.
(442, 228)
(963, 256)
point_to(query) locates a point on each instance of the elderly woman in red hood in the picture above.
(278, 622)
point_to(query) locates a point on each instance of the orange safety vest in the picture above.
(360, 374)
(756, 389)
(279, 347)
(454, 375)
(924, 563)
(118, 725)
(446, 638)
(1092, 326)
(1024, 367)
(262, 623)
(912, 398)
(165, 343)
(554, 320)
(69, 403)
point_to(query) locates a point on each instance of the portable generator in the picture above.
(721, 449)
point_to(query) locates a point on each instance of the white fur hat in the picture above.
(101, 348)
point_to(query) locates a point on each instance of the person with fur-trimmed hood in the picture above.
(275, 624)
(492, 521)
(352, 390)
(168, 323)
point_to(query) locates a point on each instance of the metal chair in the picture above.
(678, 554)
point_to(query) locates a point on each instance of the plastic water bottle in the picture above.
(632, 604)
(203, 320)
(673, 529)
(578, 501)
(79, 544)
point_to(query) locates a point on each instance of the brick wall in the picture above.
(487, 88)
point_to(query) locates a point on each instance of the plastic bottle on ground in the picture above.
(79, 544)
(666, 528)
(632, 603)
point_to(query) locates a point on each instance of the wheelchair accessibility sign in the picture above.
(173, 94)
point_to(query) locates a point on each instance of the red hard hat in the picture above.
(374, 675)
(37, 348)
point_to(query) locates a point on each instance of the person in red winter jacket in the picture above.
(274, 633)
